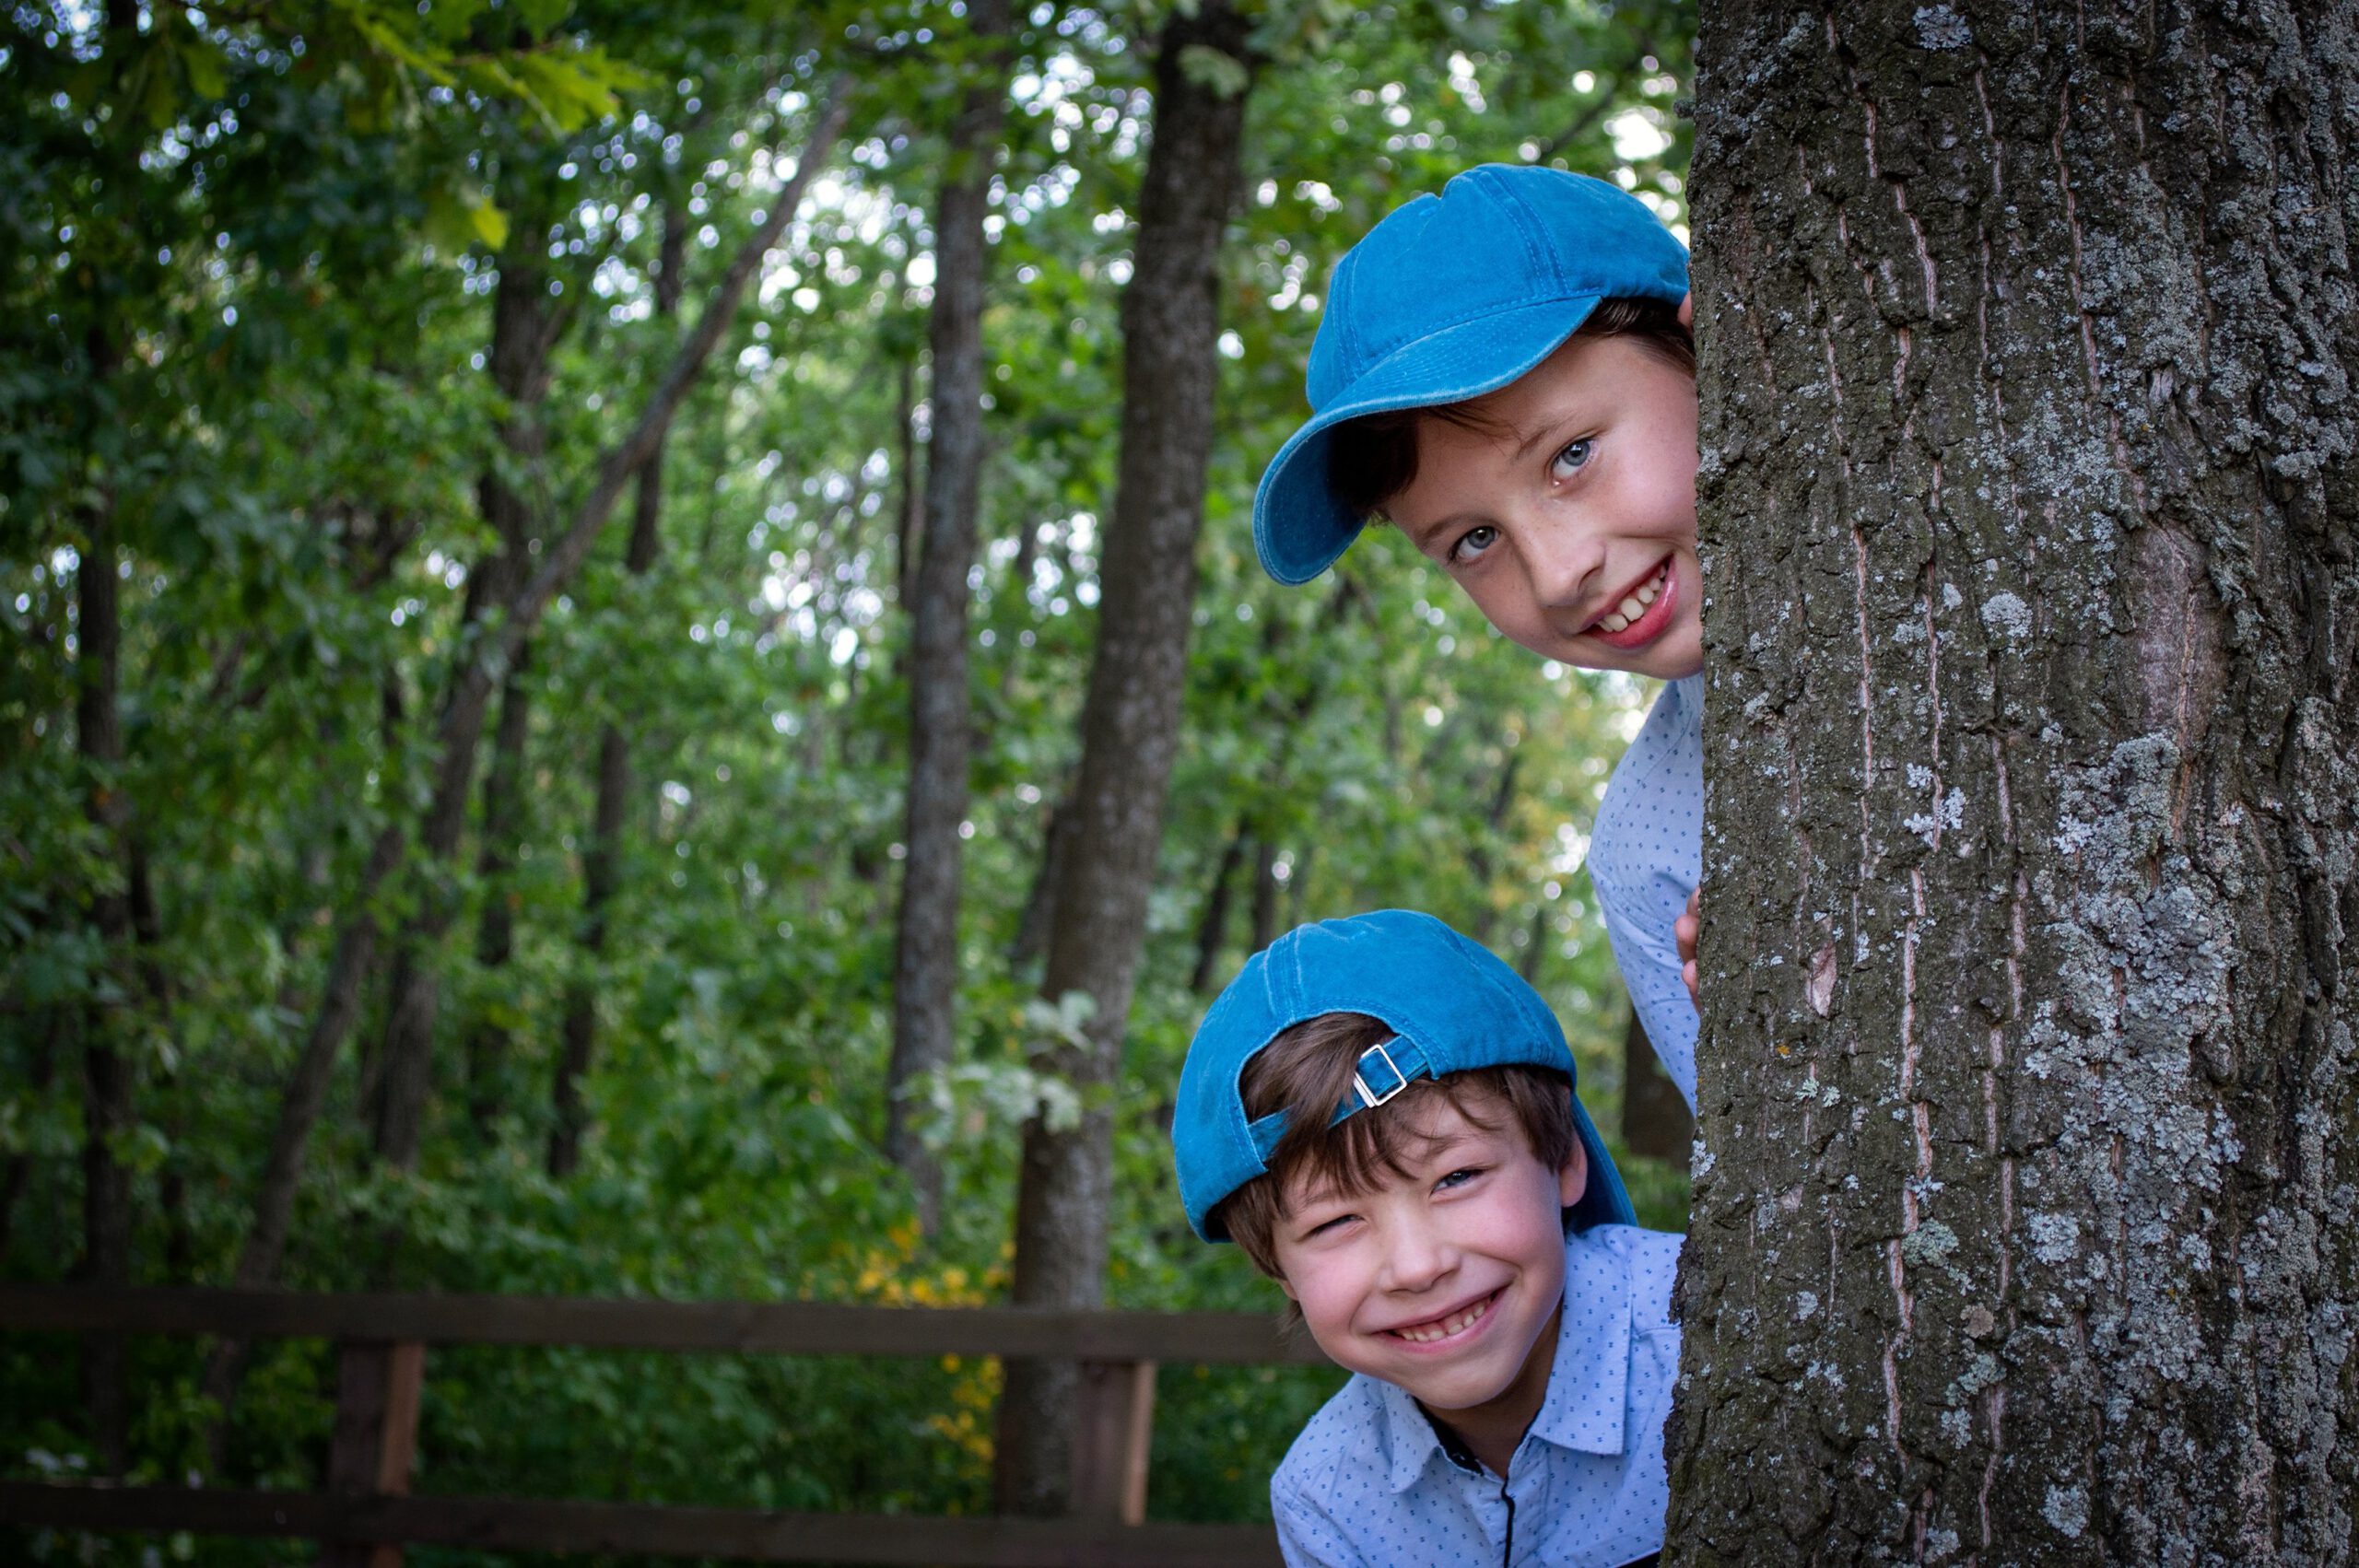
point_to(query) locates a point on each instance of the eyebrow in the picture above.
(1547, 427)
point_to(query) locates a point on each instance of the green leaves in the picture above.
(459, 215)
(295, 433)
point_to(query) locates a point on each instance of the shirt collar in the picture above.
(1588, 1386)
(1409, 1437)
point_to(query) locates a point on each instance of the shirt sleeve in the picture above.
(1307, 1537)
(1645, 859)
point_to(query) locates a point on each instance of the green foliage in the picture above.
(248, 263)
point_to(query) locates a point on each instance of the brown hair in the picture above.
(1372, 459)
(1307, 1071)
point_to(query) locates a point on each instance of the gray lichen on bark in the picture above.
(2022, 1217)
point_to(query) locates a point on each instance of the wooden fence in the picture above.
(367, 1515)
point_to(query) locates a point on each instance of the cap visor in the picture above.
(1300, 525)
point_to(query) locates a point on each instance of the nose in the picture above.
(1564, 563)
(1418, 1256)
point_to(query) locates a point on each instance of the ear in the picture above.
(1284, 1285)
(1572, 1178)
(1688, 311)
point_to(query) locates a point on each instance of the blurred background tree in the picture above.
(456, 787)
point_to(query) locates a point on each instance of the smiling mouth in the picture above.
(1436, 1330)
(1642, 612)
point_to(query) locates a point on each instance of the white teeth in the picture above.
(1458, 1324)
(1632, 608)
(1615, 623)
(1647, 595)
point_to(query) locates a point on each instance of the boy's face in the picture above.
(1572, 521)
(1446, 1281)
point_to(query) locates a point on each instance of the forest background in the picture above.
(328, 330)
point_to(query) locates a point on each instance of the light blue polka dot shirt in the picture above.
(1370, 1484)
(1646, 855)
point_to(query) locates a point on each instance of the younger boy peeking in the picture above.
(1505, 373)
(1382, 1114)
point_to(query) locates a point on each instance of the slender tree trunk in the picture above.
(602, 861)
(926, 963)
(2031, 533)
(1263, 928)
(1032, 927)
(417, 993)
(526, 324)
(911, 525)
(357, 930)
(503, 831)
(1211, 929)
(107, 1110)
(1535, 951)
(41, 1071)
(1130, 715)
(1655, 1118)
(1481, 856)
(350, 963)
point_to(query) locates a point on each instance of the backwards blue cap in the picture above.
(1451, 1004)
(1452, 297)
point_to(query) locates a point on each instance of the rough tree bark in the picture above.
(602, 860)
(925, 963)
(1130, 715)
(2024, 1234)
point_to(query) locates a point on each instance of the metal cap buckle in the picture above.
(1369, 1098)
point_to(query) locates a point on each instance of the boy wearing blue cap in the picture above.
(1505, 373)
(1383, 1115)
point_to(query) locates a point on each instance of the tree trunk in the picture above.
(350, 963)
(2032, 548)
(107, 1113)
(525, 326)
(602, 860)
(1038, 918)
(417, 993)
(503, 828)
(910, 523)
(926, 963)
(1211, 928)
(1655, 1118)
(358, 931)
(1479, 856)
(1130, 717)
(1263, 927)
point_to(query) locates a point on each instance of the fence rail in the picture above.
(366, 1515)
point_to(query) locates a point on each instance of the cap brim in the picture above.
(1300, 526)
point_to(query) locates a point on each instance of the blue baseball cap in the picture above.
(1452, 297)
(1452, 1007)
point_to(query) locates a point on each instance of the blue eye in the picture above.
(1471, 543)
(1572, 460)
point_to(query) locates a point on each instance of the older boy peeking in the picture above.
(1505, 373)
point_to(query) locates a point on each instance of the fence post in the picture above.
(1114, 1427)
(378, 1389)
